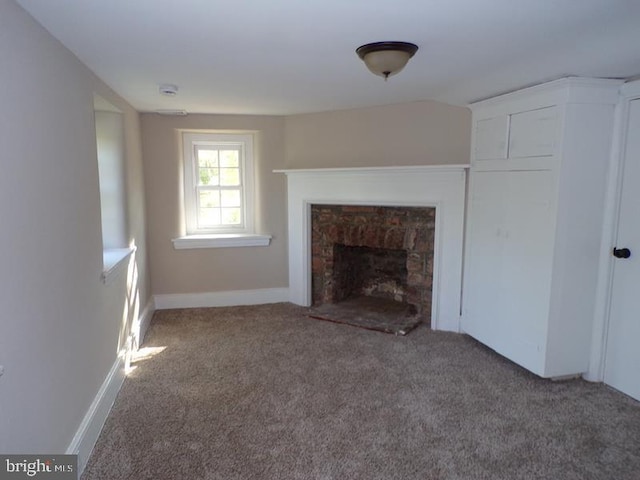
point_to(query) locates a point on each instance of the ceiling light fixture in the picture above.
(386, 58)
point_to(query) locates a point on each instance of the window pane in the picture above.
(230, 198)
(207, 158)
(208, 217)
(229, 176)
(208, 176)
(229, 158)
(231, 216)
(209, 198)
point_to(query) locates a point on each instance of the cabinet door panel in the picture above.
(528, 253)
(533, 133)
(491, 138)
(509, 261)
(485, 255)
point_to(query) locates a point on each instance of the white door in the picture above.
(622, 360)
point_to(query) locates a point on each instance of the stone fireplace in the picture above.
(374, 251)
(438, 187)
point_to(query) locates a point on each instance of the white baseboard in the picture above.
(229, 298)
(89, 430)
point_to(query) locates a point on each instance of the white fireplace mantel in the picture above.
(439, 186)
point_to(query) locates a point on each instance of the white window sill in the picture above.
(221, 240)
(113, 259)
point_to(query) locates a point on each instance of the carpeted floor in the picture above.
(267, 393)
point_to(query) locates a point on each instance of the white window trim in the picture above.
(113, 259)
(189, 140)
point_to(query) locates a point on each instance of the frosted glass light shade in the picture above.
(386, 58)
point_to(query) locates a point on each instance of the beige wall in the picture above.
(410, 134)
(61, 327)
(419, 133)
(219, 269)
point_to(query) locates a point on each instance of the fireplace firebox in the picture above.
(385, 252)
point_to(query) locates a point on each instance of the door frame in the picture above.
(628, 92)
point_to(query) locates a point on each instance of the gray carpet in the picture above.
(268, 393)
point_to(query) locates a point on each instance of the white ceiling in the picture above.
(295, 56)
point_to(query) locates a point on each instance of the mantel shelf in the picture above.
(375, 170)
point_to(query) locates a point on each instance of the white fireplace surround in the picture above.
(441, 186)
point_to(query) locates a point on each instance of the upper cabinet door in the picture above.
(491, 138)
(533, 133)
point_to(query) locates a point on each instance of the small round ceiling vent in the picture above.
(168, 89)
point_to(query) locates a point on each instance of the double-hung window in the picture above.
(218, 190)
(218, 183)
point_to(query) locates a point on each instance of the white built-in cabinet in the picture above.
(537, 185)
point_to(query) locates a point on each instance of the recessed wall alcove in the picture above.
(441, 187)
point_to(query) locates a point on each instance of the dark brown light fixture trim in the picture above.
(405, 49)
